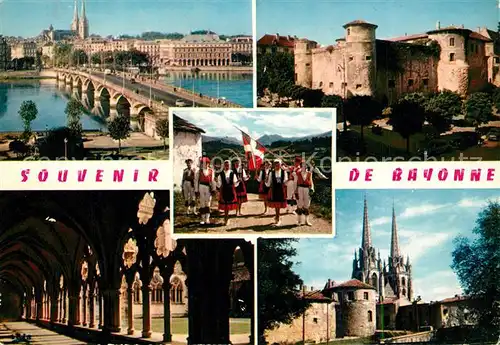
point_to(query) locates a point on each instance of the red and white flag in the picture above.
(254, 152)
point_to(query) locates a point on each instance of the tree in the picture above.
(28, 112)
(407, 118)
(362, 110)
(119, 129)
(496, 98)
(274, 68)
(441, 108)
(478, 108)
(279, 286)
(79, 57)
(162, 129)
(74, 112)
(62, 54)
(477, 265)
(96, 58)
(331, 101)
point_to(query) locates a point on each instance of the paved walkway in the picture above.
(38, 335)
(136, 139)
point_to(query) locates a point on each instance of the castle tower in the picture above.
(75, 22)
(399, 275)
(360, 58)
(83, 30)
(303, 62)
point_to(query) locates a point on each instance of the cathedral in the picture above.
(80, 25)
(392, 280)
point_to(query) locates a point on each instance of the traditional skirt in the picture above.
(228, 199)
(241, 192)
(263, 191)
(276, 197)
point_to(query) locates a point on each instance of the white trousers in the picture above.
(188, 190)
(205, 196)
(304, 200)
(290, 189)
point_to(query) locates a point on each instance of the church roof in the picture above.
(182, 125)
(354, 283)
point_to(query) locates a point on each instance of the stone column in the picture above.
(84, 307)
(59, 306)
(91, 308)
(111, 309)
(65, 306)
(146, 310)
(248, 254)
(54, 306)
(39, 308)
(130, 309)
(99, 305)
(167, 318)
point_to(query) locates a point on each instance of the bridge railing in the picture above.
(184, 93)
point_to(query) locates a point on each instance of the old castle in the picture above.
(378, 296)
(451, 58)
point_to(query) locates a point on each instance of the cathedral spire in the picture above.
(74, 23)
(394, 239)
(366, 241)
(83, 10)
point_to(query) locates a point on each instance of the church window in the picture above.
(176, 291)
(403, 281)
(425, 81)
(452, 41)
(391, 84)
(365, 295)
(368, 58)
(410, 82)
(350, 296)
(452, 56)
(370, 316)
(404, 292)
(331, 85)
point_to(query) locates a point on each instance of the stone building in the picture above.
(187, 145)
(452, 58)
(276, 44)
(23, 49)
(5, 54)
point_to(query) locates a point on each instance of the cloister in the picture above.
(86, 263)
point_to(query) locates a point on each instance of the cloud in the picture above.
(380, 221)
(423, 209)
(417, 243)
(437, 286)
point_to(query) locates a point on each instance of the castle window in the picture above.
(351, 58)
(452, 56)
(348, 32)
(358, 86)
(315, 320)
(331, 85)
(308, 64)
(452, 41)
(320, 84)
(391, 83)
(368, 58)
(295, 76)
(365, 295)
(425, 81)
(370, 316)
(350, 296)
(497, 60)
(410, 82)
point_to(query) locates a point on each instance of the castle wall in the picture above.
(355, 314)
(315, 326)
(327, 70)
(478, 65)
(303, 63)
(186, 145)
(387, 316)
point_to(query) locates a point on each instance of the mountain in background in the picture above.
(265, 140)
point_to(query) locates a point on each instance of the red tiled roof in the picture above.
(478, 36)
(315, 295)
(278, 40)
(185, 126)
(354, 283)
(454, 299)
(387, 301)
(408, 38)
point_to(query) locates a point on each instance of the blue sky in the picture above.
(289, 123)
(28, 18)
(428, 221)
(322, 20)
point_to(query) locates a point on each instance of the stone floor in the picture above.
(38, 335)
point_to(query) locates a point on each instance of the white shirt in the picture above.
(243, 173)
(269, 180)
(262, 172)
(227, 175)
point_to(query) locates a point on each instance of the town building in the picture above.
(5, 54)
(23, 49)
(276, 44)
(451, 58)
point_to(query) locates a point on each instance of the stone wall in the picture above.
(186, 145)
(316, 319)
(422, 337)
(327, 70)
(478, 65)
(355, 314)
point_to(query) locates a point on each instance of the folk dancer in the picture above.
(188, 186)
(263, 189)
(204, 187)
(305, 188)
(227, 183)
(291, 184)
(241, 189)
(276, 182)
(315, 171)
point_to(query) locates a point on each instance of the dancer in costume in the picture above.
(227, 182)
(291, 184)
(204, 186)
(188, 186)
(263, 189)
(305, 188)
(276, 182)
(241, 189)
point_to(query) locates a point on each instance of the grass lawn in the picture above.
(180, 325)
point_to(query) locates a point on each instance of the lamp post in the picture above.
(66, 148)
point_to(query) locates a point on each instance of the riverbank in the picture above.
(26, 75)
(240, 69)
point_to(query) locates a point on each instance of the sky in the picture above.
(427, 220)
(256, 123)
(27, 18)
(322, 20)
